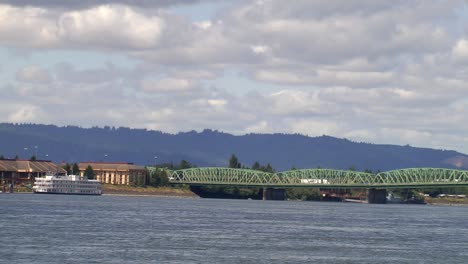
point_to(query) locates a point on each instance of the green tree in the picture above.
(1, 157)
(234, 162)
(16, 157)
(67, 167)
(89, 173)
(75, 169)
(256, 166)
(166, 165)
(158, 178)
(269, 168)
(33, 158)
(184, 165)
(352, 168)
(304, 194)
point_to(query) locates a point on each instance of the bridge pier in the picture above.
(274, 194)
(377, 196)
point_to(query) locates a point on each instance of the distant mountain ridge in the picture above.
(213, 148)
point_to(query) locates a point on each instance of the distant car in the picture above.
(314, 181)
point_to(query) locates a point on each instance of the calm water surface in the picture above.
(119, 229)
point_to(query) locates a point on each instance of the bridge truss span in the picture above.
(427, 177)
(220, 176)
(325, 178)
(322, 178)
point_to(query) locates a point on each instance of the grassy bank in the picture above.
(17, 189)
(146, 190)
(127, 190)
(446, 200)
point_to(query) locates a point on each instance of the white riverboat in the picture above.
(71, 184)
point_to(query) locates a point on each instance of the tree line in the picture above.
(32, 158)
(74, 169)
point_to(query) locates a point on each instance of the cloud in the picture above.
(325, 77)
(385, 71)
(289, 103)
(29, 27)
(281, 33)
(110, 27)
(171, 105)
(331, 32)
(204, 24)
(23, 113)
(170, 85)
(460, 50)
(65, 72)
(314, 127)
(33, 74)
(103, 27)
(198, 74)
(82, 4)
(192, 45)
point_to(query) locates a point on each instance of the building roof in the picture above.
(43, 166)
(110, 166)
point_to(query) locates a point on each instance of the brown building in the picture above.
(116, 172)
(20, 171)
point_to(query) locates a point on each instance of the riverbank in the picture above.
(446, 201)
(146, 190)
(111, 189)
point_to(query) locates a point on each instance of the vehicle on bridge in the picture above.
(314, 181)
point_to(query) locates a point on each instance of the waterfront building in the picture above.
(116, 172)
(21, 171)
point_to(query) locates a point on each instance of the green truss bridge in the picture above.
(274, 184)
(322, 178)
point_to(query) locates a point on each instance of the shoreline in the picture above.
(449, 204)
(121, 194)
(193, 196)
(125, 190)
(447, 201)
(150, 195)
(166, 191)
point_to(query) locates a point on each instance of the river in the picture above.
(123, 229)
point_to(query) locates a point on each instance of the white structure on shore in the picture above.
(71, 184)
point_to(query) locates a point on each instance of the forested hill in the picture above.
(213, 148)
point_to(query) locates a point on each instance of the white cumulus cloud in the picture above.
(170, 85)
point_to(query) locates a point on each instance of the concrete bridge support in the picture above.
(274, 194)
(377, 196)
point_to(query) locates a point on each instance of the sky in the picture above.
(379, 71)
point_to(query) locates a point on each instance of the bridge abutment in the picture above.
(274, 194)
(377, 196)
